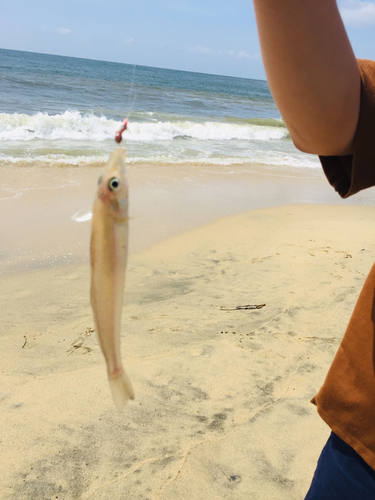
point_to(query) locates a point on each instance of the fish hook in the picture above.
(118, 136)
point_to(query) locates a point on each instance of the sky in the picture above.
(208, 36)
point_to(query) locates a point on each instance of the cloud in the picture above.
(244, 55)
(128, 41)
(201, 49)
(358, 13)
(229, 53)
(241, 54)
(64, 31)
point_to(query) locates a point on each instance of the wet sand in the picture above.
(37, 204)
(222, 396)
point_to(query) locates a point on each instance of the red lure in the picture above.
(118, 136)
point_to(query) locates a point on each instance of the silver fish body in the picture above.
(109, 248)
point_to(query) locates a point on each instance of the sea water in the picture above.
(58, 110)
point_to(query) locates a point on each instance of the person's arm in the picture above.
(311, 71)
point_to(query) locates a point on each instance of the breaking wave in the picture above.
(75, 126)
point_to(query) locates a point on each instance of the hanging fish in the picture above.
(109, 248)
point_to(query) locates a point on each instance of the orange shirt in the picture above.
(346, 402)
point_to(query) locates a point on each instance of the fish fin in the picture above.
(122, 390)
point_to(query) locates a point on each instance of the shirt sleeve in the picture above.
(350, 174)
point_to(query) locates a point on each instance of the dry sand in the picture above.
(222, 397)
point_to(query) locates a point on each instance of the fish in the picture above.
(108, 255)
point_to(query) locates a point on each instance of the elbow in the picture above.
(325, 135)
(323, 145)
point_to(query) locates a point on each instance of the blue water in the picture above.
(64, 110)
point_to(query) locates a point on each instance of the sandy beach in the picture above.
(222, 405)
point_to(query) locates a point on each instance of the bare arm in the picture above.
(311, 71)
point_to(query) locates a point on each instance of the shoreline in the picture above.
(163, 203)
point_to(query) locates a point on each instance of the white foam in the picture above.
(281, 160)
(54, 159)
(88, 139)
(301, 160)
(72, 125)
(217, 131)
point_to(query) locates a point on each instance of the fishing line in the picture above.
(85, 214)
(132, 93)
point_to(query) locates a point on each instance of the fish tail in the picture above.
(122, 389)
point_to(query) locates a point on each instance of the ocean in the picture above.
(57, 111)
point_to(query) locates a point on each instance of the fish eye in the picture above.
(114, 184)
